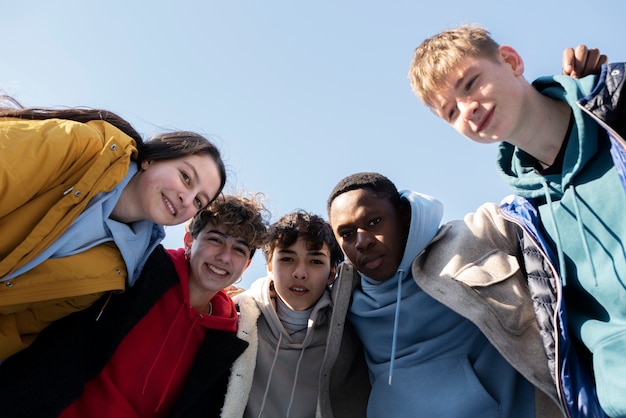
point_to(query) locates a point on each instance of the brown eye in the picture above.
(346, 234)
(245, 251)
(374, 222)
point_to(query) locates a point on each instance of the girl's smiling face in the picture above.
(170, 192)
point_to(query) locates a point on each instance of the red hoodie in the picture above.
(148, 369)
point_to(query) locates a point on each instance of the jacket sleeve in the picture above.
(21, 326)
(39, 155)
(476, 268)
(43, 379)
(344, 377)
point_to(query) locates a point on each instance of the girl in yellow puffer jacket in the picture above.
(83, 202)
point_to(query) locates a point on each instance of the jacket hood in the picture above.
(516, 167)
(223, 315)
(262, 290)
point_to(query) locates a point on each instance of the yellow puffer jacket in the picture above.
(49, 170)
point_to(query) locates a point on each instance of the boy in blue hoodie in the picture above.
(424, 359)
(561, 146)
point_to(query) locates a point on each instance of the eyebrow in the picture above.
(459, 81)
(196, 178)
(314, 253)
(225, 236)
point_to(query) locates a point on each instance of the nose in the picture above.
(467, 108)
(364, 240)
(186, 198)
(300, 272)
(224, 254)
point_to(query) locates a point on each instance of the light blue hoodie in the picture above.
(94, 226)
(424, 359)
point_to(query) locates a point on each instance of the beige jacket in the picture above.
(475, 267)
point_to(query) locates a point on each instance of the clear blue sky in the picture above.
(296, 94)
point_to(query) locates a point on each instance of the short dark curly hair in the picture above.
(301, 224)
(244, 217)
(374, 182)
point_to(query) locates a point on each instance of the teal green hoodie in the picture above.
(582, 212)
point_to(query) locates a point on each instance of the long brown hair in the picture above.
(165, 146)
(11, 108)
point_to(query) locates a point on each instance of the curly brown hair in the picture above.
(244, 216)
(301, 224)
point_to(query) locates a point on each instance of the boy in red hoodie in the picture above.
(163, 348)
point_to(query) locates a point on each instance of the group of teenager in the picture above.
(517, 310)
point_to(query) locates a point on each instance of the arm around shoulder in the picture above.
(484, 240)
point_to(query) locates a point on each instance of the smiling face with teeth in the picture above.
(169, 192)
(220, 242)
(301, 274)
(216, 260)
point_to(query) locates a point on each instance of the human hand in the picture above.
(581, 61)
(233, 291)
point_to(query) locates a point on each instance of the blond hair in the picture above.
(435, 57)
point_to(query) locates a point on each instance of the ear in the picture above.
(247, 265)
(332, 276)
(188, 240)
(513, 58)
(404, 213)
(145, 164)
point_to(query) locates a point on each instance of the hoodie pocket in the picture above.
(442, 388)
(610, 368)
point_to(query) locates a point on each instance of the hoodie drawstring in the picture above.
(581, 231)
(395, 324)
(295, 381)
(180, 354)
(269, 379)
(104, 306)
